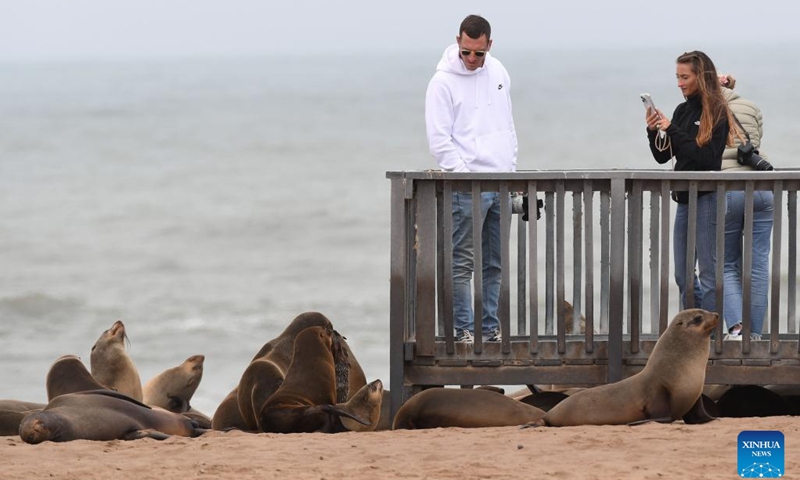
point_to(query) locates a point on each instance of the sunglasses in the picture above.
(478, 53)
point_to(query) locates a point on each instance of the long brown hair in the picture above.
(715, 107)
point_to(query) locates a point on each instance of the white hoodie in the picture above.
(468, 116)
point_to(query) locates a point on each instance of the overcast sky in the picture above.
(64, 29)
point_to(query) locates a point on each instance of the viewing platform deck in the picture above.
(603, 243)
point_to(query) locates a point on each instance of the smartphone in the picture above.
(648, 102)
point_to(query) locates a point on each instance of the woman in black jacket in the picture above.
(696, 136)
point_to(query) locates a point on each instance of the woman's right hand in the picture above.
(652, 119)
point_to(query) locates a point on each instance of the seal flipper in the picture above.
(146, 433)
(698, 414)
(648, 420)
(340, 411)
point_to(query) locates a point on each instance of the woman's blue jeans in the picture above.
(463, 264)
(705, 252)
(762, 232)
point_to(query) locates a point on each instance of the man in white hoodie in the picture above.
(471, 129)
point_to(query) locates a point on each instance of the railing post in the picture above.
(533, 268)
(635, 219)
(588, 238)
(402, 189)
(617, 281)
(504, 305)
(425, 247)
(775, 298)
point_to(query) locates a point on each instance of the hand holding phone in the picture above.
(648, 103)
(657, 122)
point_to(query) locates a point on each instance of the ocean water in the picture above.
(206, 202)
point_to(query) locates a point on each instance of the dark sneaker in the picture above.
(464, 336)
(734, 333)
(493, 336)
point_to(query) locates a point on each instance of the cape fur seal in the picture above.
(367, 405)
(667, 389)
(111, 365)
(173, 388)
(102, 415)
(465, 408)
(13, 411)
(306, 400)
(68, 374)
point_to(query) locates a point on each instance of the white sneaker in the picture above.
(464, 336)
(734, 332)
(494, 336)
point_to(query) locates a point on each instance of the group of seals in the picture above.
(263, 376)
(306, 400)
(108, 402)
(307, 380)
(320, 381)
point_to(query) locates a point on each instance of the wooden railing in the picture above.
(626, 297)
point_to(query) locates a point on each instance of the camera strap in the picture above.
(741, 129)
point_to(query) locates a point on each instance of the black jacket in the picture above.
(682, 132)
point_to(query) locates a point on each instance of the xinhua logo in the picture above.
(761, 454)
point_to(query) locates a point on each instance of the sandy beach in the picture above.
(643, 452)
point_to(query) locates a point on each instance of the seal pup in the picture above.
(102, 415)
(367, 405)
(68, 374)
(111, 365)
(465, 408)
(173, 388)
(667, 389)
(306, 400)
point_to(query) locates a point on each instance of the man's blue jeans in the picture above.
(762, 232)
(463, 264)
(705, 252)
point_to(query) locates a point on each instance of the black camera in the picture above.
(749, 157)
(523, 208)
